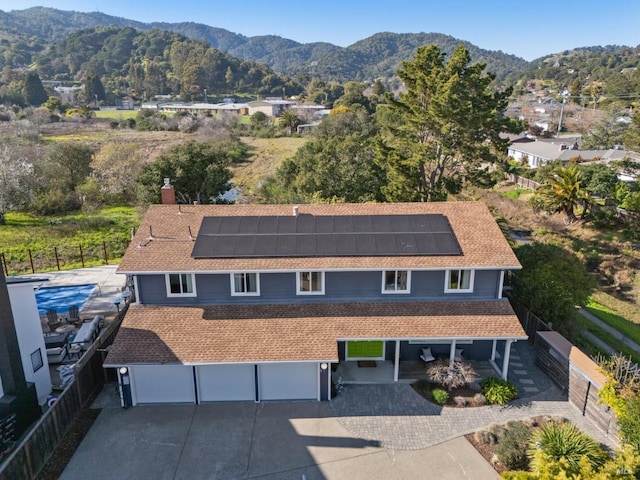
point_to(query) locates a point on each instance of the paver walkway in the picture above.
(398, 418)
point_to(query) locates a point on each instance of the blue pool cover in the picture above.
(61, 298)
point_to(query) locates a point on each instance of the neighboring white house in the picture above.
(539, 153)
(29, 332)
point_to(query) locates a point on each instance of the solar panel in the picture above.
(325, 236)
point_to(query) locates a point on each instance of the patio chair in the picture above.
(52, 319)
(74, 315)
(426, 356)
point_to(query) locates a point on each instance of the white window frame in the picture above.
(181, 294)
(396, 291)
(447, 281)
(299, 290)
(244, 294)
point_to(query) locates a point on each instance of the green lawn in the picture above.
(116, 114)
(611, 318)
(92, 232)
(606, 337)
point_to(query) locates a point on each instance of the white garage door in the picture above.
(163, 384)
(288, 381)
(219, 383)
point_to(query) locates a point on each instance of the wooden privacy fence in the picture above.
(574, 372)
(32, 453)
(530, 322)
(61, 257)
(523, 182)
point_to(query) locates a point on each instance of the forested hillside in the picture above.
(374, 57)
(602, 71)
(154, 62)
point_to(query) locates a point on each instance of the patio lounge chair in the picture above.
(52, 319)
(74, 315)
(426, 356)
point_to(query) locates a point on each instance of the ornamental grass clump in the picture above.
(498, 391)
(554, 442)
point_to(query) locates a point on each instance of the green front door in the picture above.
(365, 349)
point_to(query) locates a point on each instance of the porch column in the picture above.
(501, 284)
(505, 361)
(452, 353)
(493, 350)
(396, 366)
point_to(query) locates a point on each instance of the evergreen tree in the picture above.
(445, 126)
(93, 89)
(33, 91)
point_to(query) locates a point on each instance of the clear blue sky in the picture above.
(527, 29)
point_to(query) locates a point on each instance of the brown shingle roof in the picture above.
(263, 333)
(169, 248)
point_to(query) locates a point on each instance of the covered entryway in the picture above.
(288, 381)
(220, 383)
(163, 384)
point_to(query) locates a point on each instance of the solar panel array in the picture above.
(325, 236)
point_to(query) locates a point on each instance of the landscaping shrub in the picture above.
(423, 388)
(512, 449)
(498, 391)
(439, 396)
(460, 374)
(564, 440)
(479, 399)
(486, 437)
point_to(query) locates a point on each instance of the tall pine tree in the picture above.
(33, 92)
(445, 127)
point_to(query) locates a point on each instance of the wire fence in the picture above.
(62, 257)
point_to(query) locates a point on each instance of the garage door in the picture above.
(288, 381)
(163, 384)
(218, 383)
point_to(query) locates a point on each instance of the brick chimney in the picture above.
(168, 193)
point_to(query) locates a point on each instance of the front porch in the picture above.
(388, 361)
(349, 372)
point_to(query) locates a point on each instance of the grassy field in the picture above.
(266, 155)
(116, 114)
(107, 229)
(606, 337)
(611, 318)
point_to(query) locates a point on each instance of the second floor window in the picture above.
(181, 284)
(459, 281)
(395, 281)
(310, 283)
(245, 284)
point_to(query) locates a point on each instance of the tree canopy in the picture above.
(551, 283)
(444, 127)
(198, 171)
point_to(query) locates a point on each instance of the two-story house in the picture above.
(256, 302)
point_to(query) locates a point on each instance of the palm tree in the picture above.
(562, 192)
(289, 120)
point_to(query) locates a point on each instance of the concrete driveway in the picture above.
(266, 441)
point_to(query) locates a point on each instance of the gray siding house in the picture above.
(261, 302)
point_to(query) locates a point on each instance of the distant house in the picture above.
(196, 108)
(271, 108)
(540, 153)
